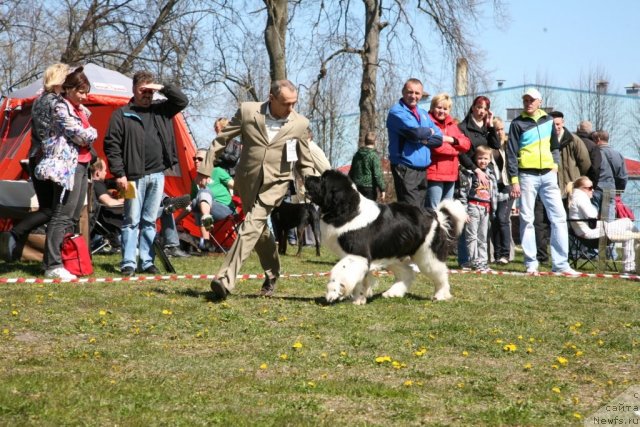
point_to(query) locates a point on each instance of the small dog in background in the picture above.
(298, 216)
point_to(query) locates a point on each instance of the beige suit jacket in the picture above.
(263, 170)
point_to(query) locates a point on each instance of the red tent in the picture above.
(109, 91)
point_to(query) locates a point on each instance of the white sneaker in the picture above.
(59, 273)
(532, 270)
(569, 272)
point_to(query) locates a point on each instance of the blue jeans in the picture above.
(546, 186)
(438, 191)
(141, 213)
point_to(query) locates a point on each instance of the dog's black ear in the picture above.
(312, 186)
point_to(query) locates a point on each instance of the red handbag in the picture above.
(75, 255)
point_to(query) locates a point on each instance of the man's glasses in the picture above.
(198, 159)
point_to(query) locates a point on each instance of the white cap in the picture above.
(533, 93)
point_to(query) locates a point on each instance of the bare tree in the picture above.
(592, 102)
(451, 19)
(275, 37)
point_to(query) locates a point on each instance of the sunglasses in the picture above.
(588, 188)
(198, 159)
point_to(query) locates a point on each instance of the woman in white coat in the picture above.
(581, 210)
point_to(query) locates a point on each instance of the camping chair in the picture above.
(586, 252)
(103, 231)
(225, 231)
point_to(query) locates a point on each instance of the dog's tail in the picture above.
(452, 215)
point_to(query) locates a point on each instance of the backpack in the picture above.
(75, 255)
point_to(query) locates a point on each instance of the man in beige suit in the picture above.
(274, 139)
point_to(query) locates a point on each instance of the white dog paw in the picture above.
(398, 290)
(362, 300)
(442, 296)
(393, 294)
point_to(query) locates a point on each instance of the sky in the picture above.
(553, 41)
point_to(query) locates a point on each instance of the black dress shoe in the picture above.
(152, 269)
(176, 252)
(128, 271)
(268, 287)
(220, 292)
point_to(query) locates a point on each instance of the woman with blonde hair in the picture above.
(442, 173)
(583, 217)
(12, 242)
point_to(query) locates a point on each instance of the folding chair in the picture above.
(102, 226)
(588, 252)
(582, 252)
(225, 231)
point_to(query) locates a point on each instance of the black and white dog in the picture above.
(368, 236)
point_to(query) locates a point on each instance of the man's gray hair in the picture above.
(585, 126)
(277, 85)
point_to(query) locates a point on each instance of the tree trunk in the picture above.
(275, 37)
(369, 69)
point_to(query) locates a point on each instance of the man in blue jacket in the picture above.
(412, 134)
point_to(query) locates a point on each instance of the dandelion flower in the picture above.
(529, 350)
(420, 352)
(284, 356)
(460, 385)
(510, 347)
(562, 360)
(579, 353)
(499, 341)
(264, 366)
(556, 389)
(92, 340)
(167, 312)
(14, 312)
(297, 345)
(465, 353)
(527, 366)
(5, 331)
(383, 359)
(103, 312)
(577, 415)
(408, 383)
(311, 384)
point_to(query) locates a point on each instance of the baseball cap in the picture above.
(533, 93)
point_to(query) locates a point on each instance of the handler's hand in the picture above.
(121, 183)
(515, 191)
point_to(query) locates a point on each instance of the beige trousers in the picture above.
(254, 233)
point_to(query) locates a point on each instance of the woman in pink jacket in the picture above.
(442, 173)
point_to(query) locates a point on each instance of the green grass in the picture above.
(161, 353)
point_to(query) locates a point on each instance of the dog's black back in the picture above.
(298, 216)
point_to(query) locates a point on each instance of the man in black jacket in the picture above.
(140, 146)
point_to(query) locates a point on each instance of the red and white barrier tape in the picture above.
(172, 277)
